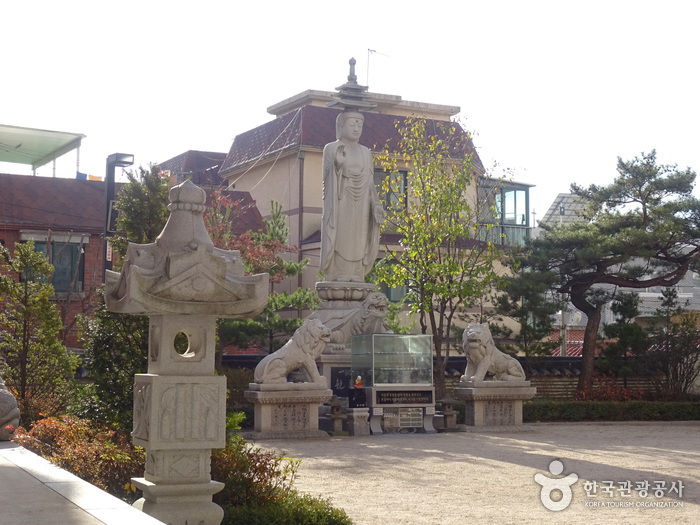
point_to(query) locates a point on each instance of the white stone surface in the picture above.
(289, 413)
(179, 412)
(495, 404)
(37, 492)
(182, 272)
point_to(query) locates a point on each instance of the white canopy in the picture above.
(35, 146)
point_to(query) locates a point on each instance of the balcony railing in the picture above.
(505, 235)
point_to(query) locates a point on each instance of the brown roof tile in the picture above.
(310, 126)
(28, 202)
(43, 202)
(202, 165)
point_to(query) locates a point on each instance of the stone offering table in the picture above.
(183, 283)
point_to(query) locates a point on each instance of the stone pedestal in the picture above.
(495, 405)
(169, 503)
(287, 410)
(358, 421)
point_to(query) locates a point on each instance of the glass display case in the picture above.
(392, 359)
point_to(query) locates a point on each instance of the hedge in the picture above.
(546, 411)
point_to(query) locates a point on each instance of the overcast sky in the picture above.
(554, 91)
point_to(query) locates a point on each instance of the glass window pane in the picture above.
(64, 261)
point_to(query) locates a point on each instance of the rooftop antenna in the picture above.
(370, 52)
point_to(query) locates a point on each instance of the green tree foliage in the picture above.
(262, 251)
(116, 345)
(629, 339)
(116, 348)
(530, 302)
(441, 258)
(40, 369)
(639, 231)
(675, 346)
(143, 208)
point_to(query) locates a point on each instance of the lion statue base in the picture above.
(300, 352)
(483, 357)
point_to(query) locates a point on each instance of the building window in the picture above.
(68, 267)
(396, 294)
(504, 210)
(398, 187)
(66, 253)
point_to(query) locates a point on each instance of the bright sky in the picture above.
(553, 90)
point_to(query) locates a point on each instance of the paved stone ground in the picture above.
(489, 478)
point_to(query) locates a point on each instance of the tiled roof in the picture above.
(202, 165)
(574, 342)
(567, 208)
(250, 219)
(311, 126)
(28, 202)
(46, 202)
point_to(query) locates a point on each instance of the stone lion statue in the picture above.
(483, 356)
(368, 318)
(301, 351)
(371, 318)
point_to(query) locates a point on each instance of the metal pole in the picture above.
(109, 197)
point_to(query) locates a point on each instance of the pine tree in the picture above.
(40, 370)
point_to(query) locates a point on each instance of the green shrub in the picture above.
(293, 509)
(251, 475)
(258, 486)
(545, 411)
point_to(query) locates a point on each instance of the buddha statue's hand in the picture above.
(340, 157)
(379, 213)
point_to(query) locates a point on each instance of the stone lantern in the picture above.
(183, 284)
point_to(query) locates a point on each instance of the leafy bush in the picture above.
(37, 368)
(252, 476)
(99, 455)
(116, 348)
(258, 486)
(545, 411)
(295, 508)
